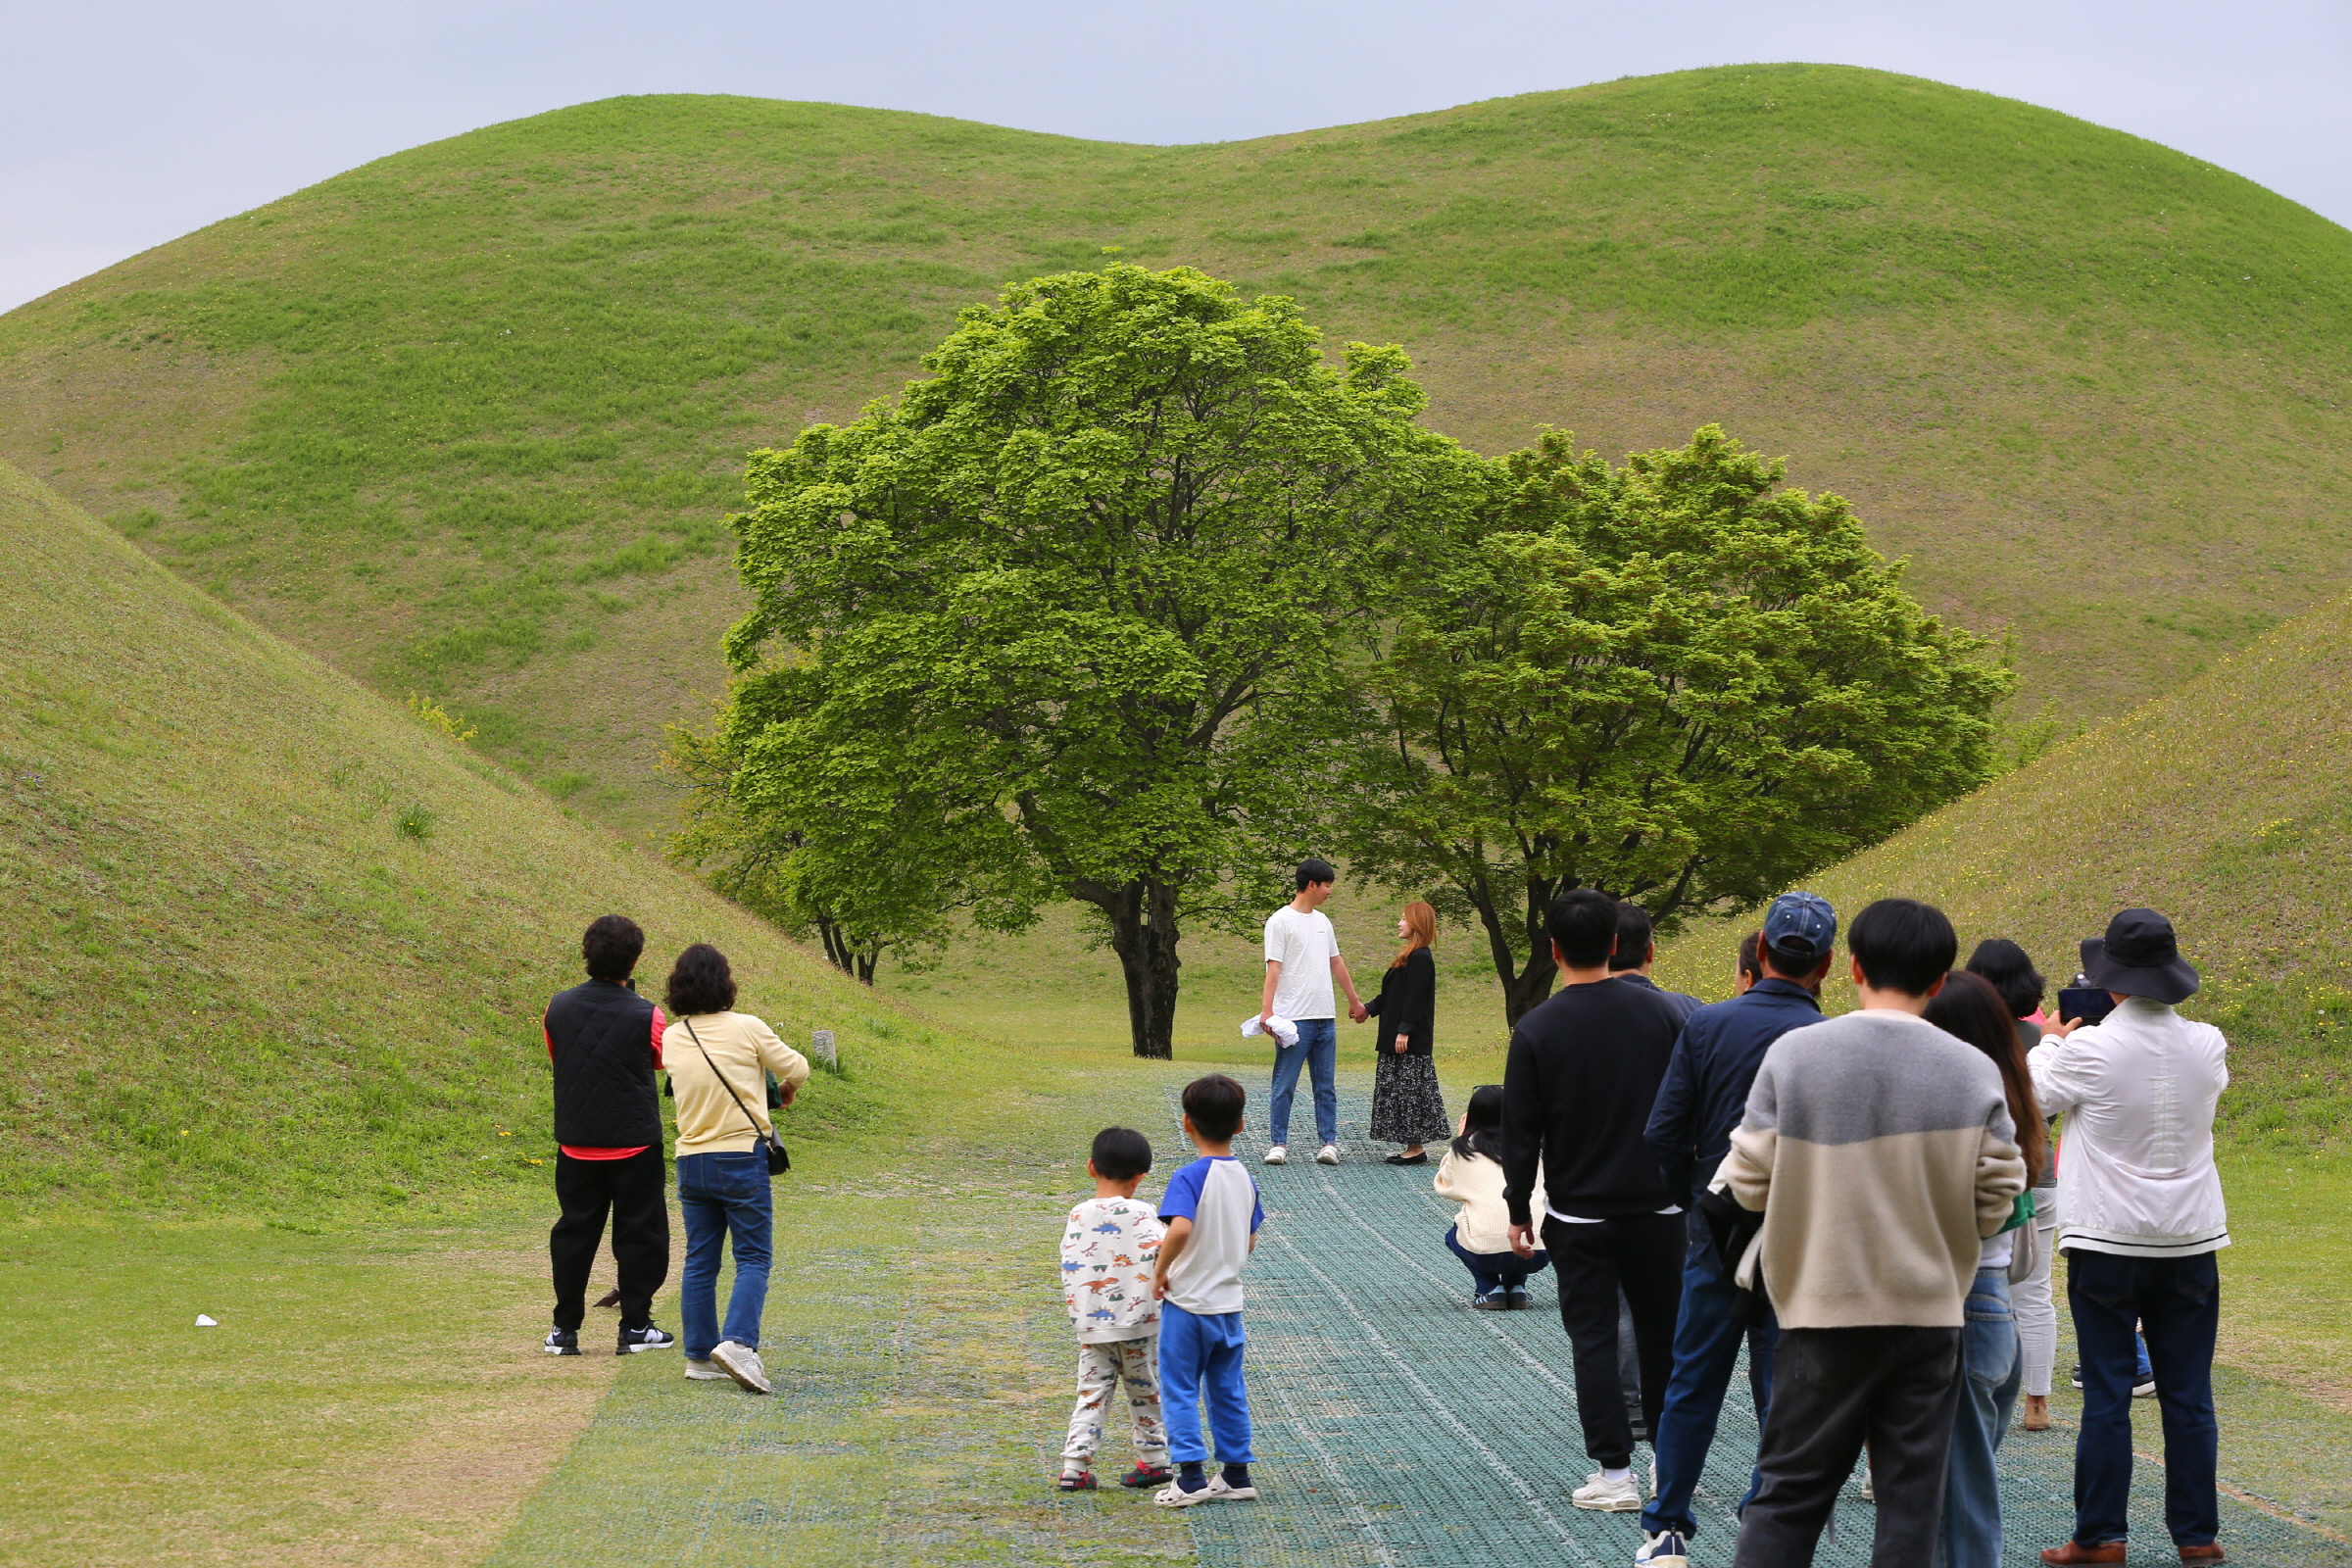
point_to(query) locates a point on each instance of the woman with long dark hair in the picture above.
(718, 1060)
(2022, 988)
(1969, 1008)
(1471, 1175)
(1406, 1105)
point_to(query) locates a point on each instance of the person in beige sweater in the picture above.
(1882, 1153)
(718, 1060)
(1471, 1175)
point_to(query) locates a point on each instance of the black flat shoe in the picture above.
(1407, 1160)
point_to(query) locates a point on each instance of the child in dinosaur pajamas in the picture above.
(1109, 1250)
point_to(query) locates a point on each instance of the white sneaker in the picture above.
(1173, 1495)
(1278, 1155)
(1600, 1494)
(742, 1363)
(703, 1372)
(1665, 1550)
(1328, 1155)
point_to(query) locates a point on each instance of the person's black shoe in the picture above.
(1407, 1160)
(2075, 1378)
(647, 1337)
(562, 1341)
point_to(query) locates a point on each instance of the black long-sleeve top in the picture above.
(1407, 1004)
(1577, 1090)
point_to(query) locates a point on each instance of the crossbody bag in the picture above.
(778, 1161)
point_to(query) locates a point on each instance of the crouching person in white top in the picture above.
(2140, 1217)
(1109, 1250)
(1212, 1214)
(1471, 1175)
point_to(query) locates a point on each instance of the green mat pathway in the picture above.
(1396, 1426)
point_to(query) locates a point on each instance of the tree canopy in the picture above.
(1670, 681)
(1070, 619)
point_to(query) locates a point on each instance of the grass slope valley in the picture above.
(466, 422)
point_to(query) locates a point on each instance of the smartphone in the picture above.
(2087, 1002)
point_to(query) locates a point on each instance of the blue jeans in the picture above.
(1707, 1332)
(723, 1196)
(2178, 1303)
(1202, 1353)
(1318, 1050)
(1496, 1271)
(1990, 1375)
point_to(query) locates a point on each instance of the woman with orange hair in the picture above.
(1407, 1106)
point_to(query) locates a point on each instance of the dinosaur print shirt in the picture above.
(1108, 1250)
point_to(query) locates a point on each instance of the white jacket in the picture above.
(1484, 1222)
(2135, 1171)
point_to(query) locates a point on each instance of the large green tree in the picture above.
(1671, 680)
(1070, 619)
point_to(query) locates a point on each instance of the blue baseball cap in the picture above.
(1800, 925)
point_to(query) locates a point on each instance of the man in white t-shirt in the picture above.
(1303, 959)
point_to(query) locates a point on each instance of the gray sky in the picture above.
(125, 122)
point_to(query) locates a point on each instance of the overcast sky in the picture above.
(125, 122)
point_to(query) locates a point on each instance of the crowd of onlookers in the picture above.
(1870, 1205)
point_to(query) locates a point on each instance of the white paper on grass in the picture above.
(204, 1322)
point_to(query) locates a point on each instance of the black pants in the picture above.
(1831, 1388)
(635, 1193)
(1642, 1256)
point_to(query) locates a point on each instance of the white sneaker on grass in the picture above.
(1600, 1494)
(1328, 1155)
(1278, 1155)
(703, 1371)
(742, 1363)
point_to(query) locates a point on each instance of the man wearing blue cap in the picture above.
(1701, 1101)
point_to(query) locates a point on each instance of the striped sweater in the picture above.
(1881, 1151)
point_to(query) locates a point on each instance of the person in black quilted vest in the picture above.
(605, 1041)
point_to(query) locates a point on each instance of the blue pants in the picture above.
(1990, 1375)
(2178, 1303)
(1496, 1271)
(1318, 1050)
(1707, 1331)
(722, 1197)
(1202, 1354)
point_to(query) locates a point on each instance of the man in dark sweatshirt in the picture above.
(1577, 1089)
(605, 1042)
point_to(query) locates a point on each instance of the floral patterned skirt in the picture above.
(1407, 1106)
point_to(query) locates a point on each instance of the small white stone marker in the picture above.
(204, 1322)
(821, 1046)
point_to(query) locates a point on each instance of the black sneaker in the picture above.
(647, 1337)
(2075, 1378)
(562, 1341)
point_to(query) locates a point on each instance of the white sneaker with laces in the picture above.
(1278, 1155)
(1328, 1155)
(1665, 1550)
(703, 1372)
(742, 1363)
(1600, 1494)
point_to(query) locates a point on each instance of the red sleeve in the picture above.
(551, 1038)
(659, 1024)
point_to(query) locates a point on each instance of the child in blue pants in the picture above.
(1212, 1214)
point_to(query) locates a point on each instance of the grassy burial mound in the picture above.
(279, 944)
(2227, 806)
(465, 420)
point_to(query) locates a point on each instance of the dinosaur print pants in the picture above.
(1101, 1368)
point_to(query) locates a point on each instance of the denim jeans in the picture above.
(1990, 1370)
(722, 1197)
(1706, 1350)
(1496, 1271)
(2178, 1303)
(1318, 1051)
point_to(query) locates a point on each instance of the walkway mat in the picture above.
(1396, 1426)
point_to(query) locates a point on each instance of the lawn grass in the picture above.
(465, 419)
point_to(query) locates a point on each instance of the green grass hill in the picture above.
(277, 942)
(465, 420)
(2226, 805)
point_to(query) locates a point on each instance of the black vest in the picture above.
(601, 1037)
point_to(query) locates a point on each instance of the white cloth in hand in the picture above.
(1281, 1028)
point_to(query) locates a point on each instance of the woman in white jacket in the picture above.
(1471, 1175)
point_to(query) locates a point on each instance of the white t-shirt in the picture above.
(1304, 943)
(1221, 1201)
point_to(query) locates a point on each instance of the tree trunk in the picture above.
(1526, 981)
(1143, 933)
